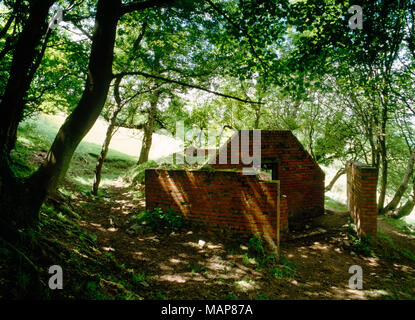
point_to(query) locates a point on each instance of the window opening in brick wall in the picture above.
(271, 168)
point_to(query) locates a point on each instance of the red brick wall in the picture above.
(227, 200)
(361, 197)
(302, 180)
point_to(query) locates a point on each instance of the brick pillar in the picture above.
(361, 197)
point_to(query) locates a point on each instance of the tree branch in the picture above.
(127, 8)
(6, 26)
(183, 84)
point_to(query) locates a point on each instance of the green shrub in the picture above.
(286, 268)
(361, 245)
(141, 277)
(158, 219)
(255, 247)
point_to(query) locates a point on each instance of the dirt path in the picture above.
(175, 266)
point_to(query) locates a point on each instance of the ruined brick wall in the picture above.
(361, 197)
(223, 199)
(302, 180)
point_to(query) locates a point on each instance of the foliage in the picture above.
(281, 268)
(158, 219)
(256, 247)
(362, 245)
(137, 172)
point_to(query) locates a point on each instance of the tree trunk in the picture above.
(257, 115)
(20, 201)
(383, 182)
(12, 104)
(148, 129)
(113, 118)
(383, 154)
(339, 173)
(101, 158)
(403, 186)
(14, 193)
(407, 208)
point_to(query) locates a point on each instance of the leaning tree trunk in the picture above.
(339, 173)
(403, 186)
(104, 151)
(21, 201)
(112, 120)
(149, 128)
(409, 205)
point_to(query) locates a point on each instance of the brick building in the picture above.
(301, 178)
(223, 196)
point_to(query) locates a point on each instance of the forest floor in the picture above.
(315, 261)
(106, 254)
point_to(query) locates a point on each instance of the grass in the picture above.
(35, 135)
(285, 270)
(383, 247)
(388, 249)
(231, 296)
(401, 224)
(334, 204)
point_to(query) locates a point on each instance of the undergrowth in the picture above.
(278, 267)
(159, 219)
(88, 272)
(383, 246)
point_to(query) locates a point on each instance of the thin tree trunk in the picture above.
(257, 115)
(102, 156)
(383, 182)
(383, 154)
(113, 118)
(149, 128)
(339, 173)
(403, 186)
